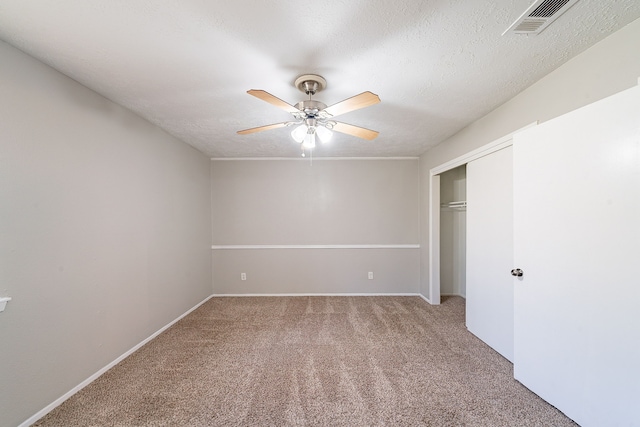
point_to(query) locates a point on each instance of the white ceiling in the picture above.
(186, 65)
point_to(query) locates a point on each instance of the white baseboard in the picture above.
(425, 298)
(320, 295)
(35, 417)
(93, 377)
(394, 246)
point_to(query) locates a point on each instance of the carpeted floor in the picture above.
(312, 361)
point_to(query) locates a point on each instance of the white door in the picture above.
(577, 239)
(489, 308)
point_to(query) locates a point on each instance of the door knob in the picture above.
(516, 272)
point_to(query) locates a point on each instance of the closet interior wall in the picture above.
(453, 232)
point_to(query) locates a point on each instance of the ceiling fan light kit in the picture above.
(313, 118)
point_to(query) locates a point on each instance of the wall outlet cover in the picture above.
(3, 303)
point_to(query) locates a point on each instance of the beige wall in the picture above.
(104, 233)
(329, 202)
(602, 70)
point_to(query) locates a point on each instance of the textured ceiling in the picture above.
(186, 65)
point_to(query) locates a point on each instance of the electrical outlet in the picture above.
(243, 276)
(370, 275)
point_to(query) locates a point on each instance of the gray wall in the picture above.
(602, 70)
(332, 202)
(104, 233)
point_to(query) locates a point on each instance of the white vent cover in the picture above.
(539, 16)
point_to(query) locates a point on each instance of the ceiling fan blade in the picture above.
(365, 99)
(355, 131)
(261, 128)
(273, 100)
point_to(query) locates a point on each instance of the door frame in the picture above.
(434, 205)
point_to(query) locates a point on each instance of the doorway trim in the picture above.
(434, 205)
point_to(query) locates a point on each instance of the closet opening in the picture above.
(454, 189)
(453, 227)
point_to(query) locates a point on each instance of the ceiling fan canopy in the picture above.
(314, 118)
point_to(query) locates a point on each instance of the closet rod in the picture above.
(457, 206)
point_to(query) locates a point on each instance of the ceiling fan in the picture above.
(313, 118)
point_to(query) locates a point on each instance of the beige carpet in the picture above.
(312, 361)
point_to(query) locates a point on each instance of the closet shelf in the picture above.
(454, 206)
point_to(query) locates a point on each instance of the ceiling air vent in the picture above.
(539, 16)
